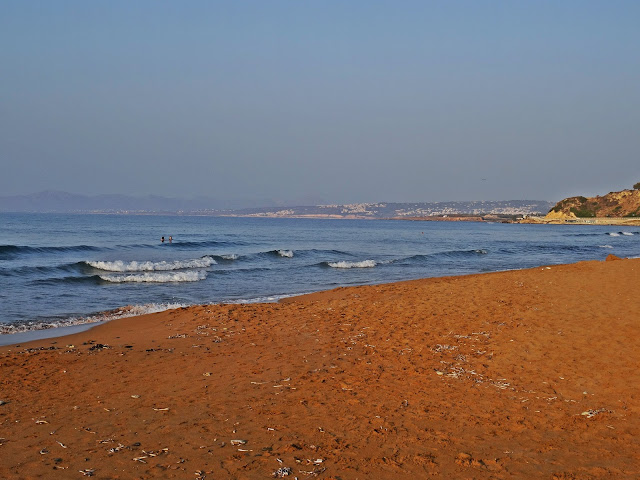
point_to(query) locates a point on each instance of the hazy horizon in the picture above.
(320, 102)
(57, 201)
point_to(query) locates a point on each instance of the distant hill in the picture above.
(404, 210)
(62, 202)
(614, 204)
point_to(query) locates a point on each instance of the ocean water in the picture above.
(61, 270)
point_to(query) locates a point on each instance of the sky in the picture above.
(334, 101)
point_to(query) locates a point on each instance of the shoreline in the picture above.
(18, 338)
(88, 323)
(515, 374)
(127, 311)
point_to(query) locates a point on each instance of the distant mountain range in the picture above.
(62, 202)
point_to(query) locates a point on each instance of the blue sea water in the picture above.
(58, 270)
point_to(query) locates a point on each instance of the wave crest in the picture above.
(156, 277)
(345, 264)
(135, 266)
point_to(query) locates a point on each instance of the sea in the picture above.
(60, 273)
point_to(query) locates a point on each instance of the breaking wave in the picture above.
(123, 312)
(134, 266)
(156, 277)
(345, 264)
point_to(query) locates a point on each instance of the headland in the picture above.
(614, 208)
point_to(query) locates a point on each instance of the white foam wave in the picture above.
(128, 311)
(156, 277)
(134, 266)
(605, 246)
(285, 253)
(362, 264)
(230, 256)
(627, 233)
(268, 299)
(614, 234)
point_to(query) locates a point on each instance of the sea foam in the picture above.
(362, 264)
(150, 277)
(267, 299)
(128, 311)
(134, 266)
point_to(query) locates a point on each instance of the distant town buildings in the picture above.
(516, 208)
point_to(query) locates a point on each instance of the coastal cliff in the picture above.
(614, 208)
(625, 203)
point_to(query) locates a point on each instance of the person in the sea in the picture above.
(170, 239)
(162, 240)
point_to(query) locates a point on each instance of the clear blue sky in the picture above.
(320, 101)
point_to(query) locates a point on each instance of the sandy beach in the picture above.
(520, 374)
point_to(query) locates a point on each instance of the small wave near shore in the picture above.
(123, 312)
(345, 264)
(135, 266)
(152, 277)
(189, 270)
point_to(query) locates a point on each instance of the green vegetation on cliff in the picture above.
(615, 204)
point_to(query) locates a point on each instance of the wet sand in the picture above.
(522, 374)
